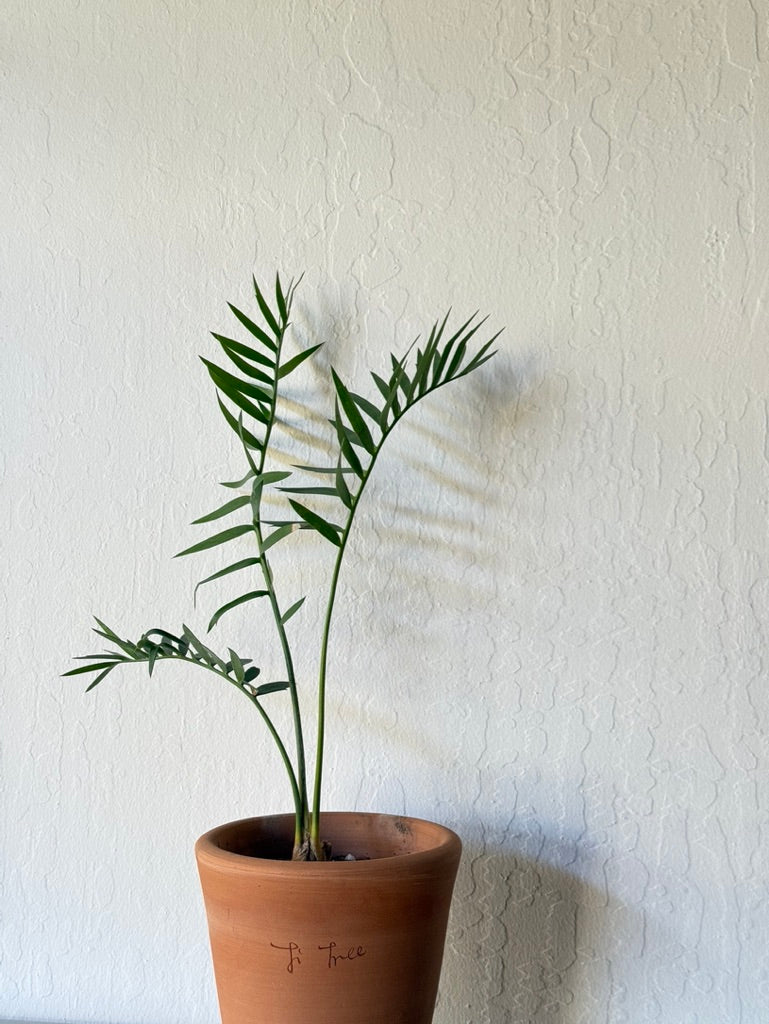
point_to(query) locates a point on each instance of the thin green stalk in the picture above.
(315, 839)
(301, 781)
(301, 823)
(300, 801)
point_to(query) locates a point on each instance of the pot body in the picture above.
(350, 942)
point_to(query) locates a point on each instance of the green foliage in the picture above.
(164, 647)
(251, 387)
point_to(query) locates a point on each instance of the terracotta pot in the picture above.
(351, 942)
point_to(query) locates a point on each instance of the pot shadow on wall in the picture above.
(525, 938)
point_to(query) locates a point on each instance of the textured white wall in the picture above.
(554, 620)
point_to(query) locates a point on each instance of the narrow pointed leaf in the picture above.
(218, 538)
(277, 535)
(261, 480)
(273, 477)
(199, 648)
(106, 656)
(353, 414)
(400, 379)
(223, 510)
(245, 435)
(342, 489)
(437, 332)
(106, 631)
(456, 360)
(251, 327)
(124, 645)
(292, 610)
(239, 483)
(411, 390)
(246, 351)
(368, 407)
(325, 470)
(247, 447)
(423, 365)
(311, 490)
(295, 524)
(482, 355)
(237, 665)
(228, 383)
(99, 678)
(383, 386)
(90, 668)
(291, 289)
(153, 654)
(280, 299)
(265, 688)
(267, 313)
(349, 454)
(350, 434)
(256, 502)
(292, 364)
(239, 399)
(448, 347)
(345, 447)
(256, 412)
(234, 604)
(477, 363)
(167, 639)
(245, 367)
(386, 392)
(325, 529)
(245, 563)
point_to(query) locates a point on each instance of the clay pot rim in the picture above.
(445, 843)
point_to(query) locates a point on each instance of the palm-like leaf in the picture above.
(362, 425)
(153, 646)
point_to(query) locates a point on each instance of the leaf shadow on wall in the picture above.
(525, 936)
(437, 502)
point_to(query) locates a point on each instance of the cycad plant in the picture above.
(249, 395)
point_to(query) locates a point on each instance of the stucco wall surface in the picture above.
(552, 626)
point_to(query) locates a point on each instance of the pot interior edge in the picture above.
(367, 836)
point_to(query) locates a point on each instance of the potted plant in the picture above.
(297, 932)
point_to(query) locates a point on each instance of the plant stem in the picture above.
(300, 801)
(315, 839)
(299, 785)
(301, 804)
